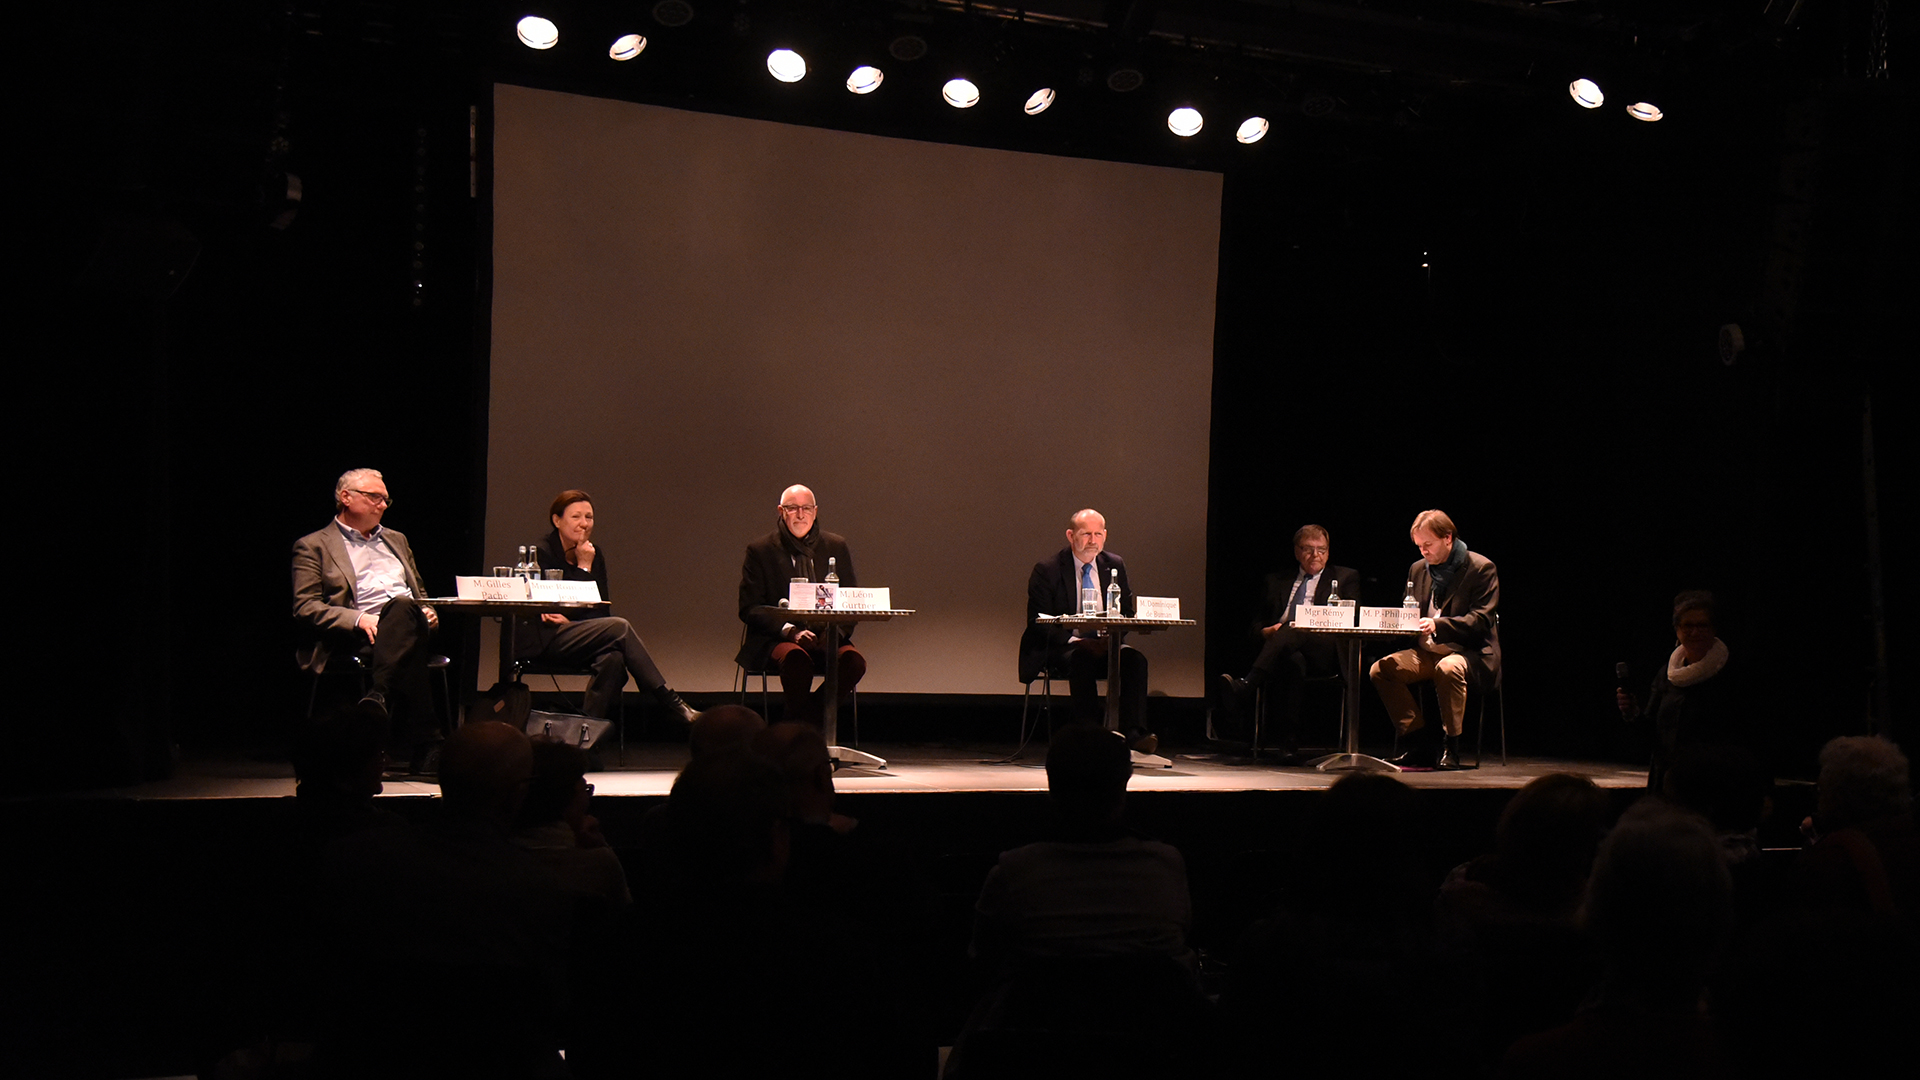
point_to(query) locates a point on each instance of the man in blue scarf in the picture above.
(1458, 592)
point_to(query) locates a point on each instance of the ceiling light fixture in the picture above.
(537, 33)
(960, 93)
(1252, 130)
(1586, 93)
(865, 79)
(627, 46)
(786, 65)
(1039, 101)
(1184, 121)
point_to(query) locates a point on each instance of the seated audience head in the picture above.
(340, 756)
(1660, 904)
(806, 769)
(1360, 854)
(1087, 772)
(1862, 778)
(725, 817)
(559, 788)
(485, 770)
(723, 727)
(1552, 828)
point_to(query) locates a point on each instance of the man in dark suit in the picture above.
(1289, 656)
(797, 548)
(1459, 593)
(1054, 589)
(355, 590)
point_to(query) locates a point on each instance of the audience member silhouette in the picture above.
(1659, 907)
(1086, 938)
(483, 922)
(556, 824)
(1507, 920)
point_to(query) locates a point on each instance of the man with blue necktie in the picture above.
(1054, 589)
(1289, 656)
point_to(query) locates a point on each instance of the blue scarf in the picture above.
(1444, 575)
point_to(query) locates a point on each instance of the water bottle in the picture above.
(1113, 591)
(1407, 603)
(533, 562)
(1333, 594)
(833, 572)
(520, 564)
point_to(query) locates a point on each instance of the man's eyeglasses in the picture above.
(799, 511)
(375, 497)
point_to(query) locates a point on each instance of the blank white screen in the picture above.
(954, 347)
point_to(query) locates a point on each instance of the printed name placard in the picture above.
(812, 595)
(1389, 618)
(1324, 616)
(1156, 607)
(852, 599)
(567, 592)
(490, 588)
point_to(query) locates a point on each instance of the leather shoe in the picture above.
(676, 708)
(1146, 744)
(1449, 753)
(1234, 692)
(1417, 754)
(375, 702)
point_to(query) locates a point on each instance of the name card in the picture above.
(490, 588)
(567, 592)
(812, 595)
(1325, 616)
(852, 599)
(1156, 607)
(1389, 618)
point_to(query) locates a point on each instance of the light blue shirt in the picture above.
(378, 573)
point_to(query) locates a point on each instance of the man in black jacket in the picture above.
(1054, 589)
(1289, 656)
(1459, 594)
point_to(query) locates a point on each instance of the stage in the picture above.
(648, 769)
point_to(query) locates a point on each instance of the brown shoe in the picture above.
(1146, 744)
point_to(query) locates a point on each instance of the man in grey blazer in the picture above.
(1289, 656)
(355, 590)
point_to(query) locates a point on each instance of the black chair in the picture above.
(742, 674)
(1312, 684)
(436, 663)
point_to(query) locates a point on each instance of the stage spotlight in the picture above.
(627, 47)
(537, 33)
(1586, 93)
(786, 65)
(1645, 110)
(960, 93)
(1040, 101)
(1184, 121)
(865, 79)
(1252, 130)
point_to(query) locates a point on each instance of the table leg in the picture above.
(830, 712)
(507, 624)
(1115, 638)
(1351, 757)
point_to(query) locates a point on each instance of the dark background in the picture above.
(1550, 378)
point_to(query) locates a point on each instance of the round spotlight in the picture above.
(627, 47)
(865, 80)
(1645, 110)
(1040, 101)
(1184, 121)
(1252, 130)
(1586, 93)
(537, 33)
(786, 65)
(960, 93)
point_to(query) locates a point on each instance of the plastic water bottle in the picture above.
(1113, 591)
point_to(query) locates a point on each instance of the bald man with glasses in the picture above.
(796, 548)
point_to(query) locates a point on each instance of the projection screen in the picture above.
(955, 348)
